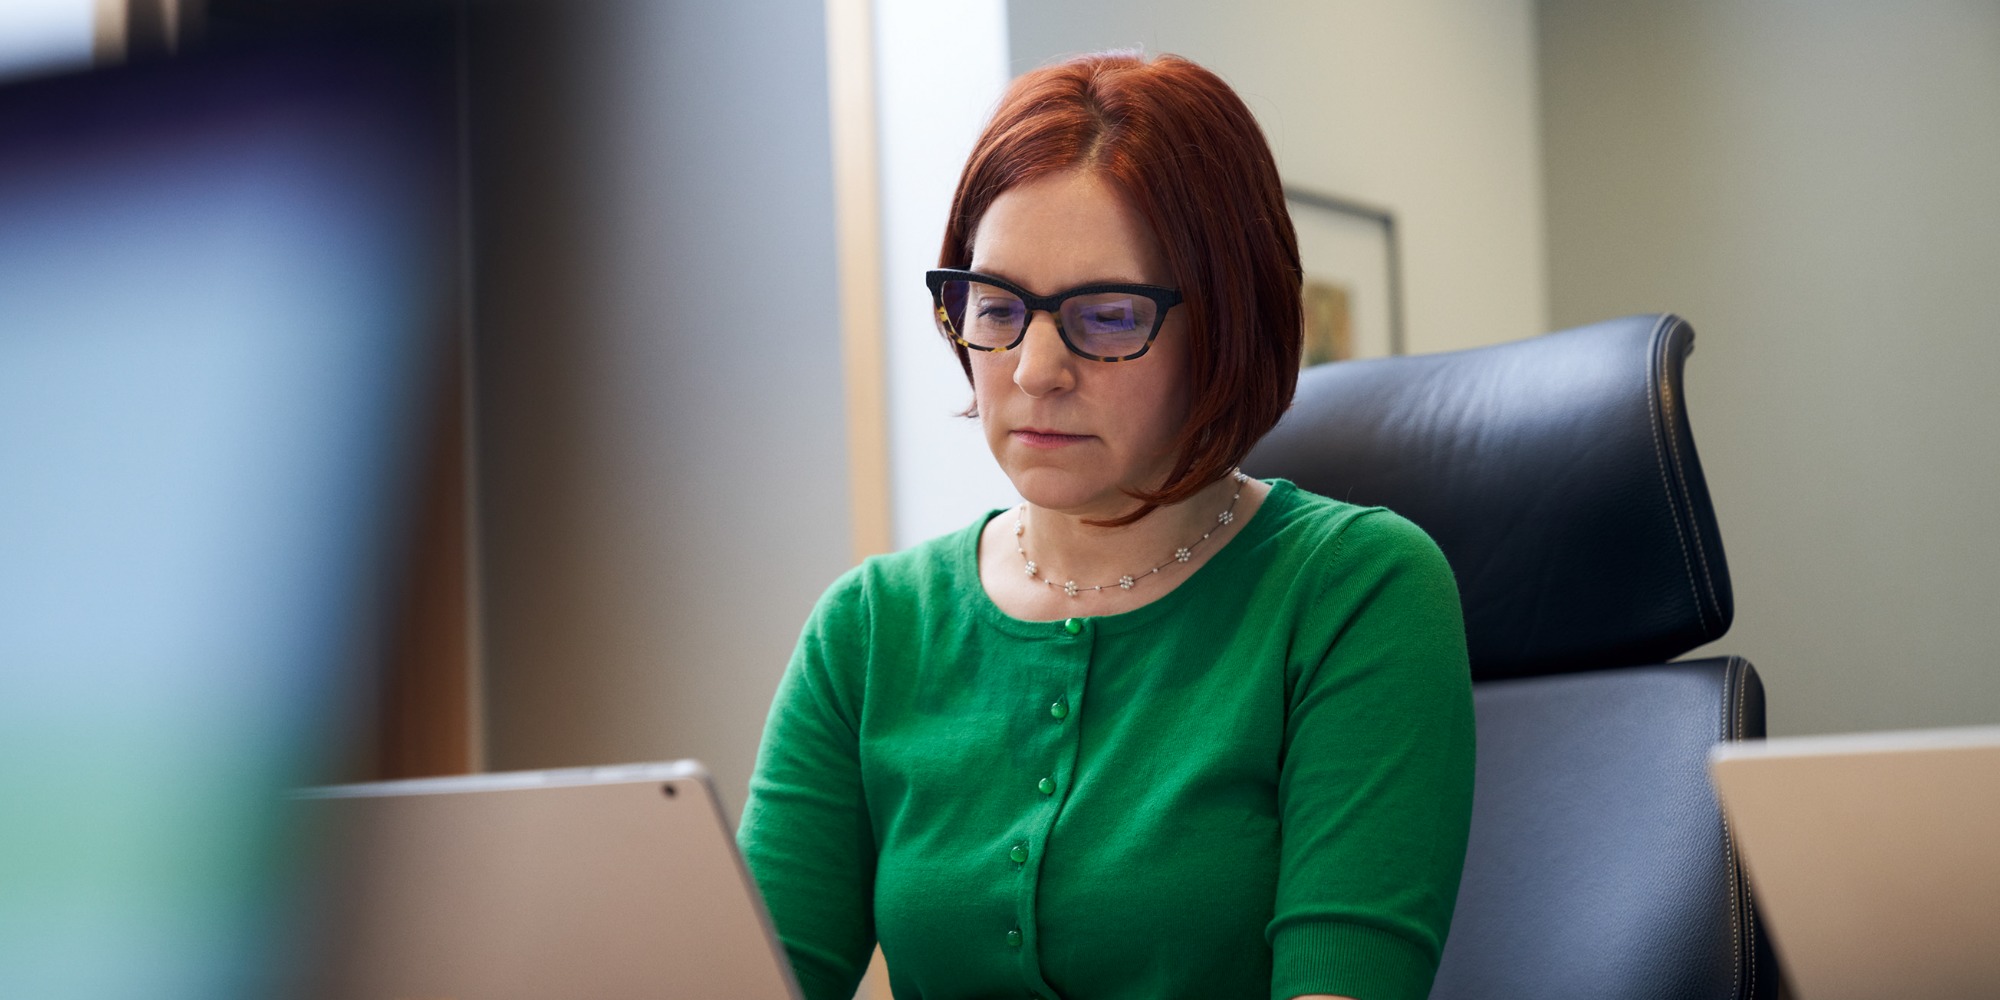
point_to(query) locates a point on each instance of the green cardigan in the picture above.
(1259, 784)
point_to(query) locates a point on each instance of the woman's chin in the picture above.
(1069, 491)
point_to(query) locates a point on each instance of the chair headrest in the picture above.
(1557, 474)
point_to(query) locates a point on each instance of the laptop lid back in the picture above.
(593, 882)
(1875, 858)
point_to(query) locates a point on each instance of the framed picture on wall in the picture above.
(1353, 277)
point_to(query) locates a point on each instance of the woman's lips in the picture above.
(1035, 437)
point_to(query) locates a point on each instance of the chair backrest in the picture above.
(1559, 476)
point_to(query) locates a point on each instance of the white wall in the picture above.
(940, 71)
(661, 442)
(1814, 186)
(1427, 107)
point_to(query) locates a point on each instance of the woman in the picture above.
(1162, 730)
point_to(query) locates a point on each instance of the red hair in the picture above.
(1186, 153)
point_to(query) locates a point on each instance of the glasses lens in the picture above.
(1109, 324)
(982, 315)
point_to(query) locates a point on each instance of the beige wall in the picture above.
(1814, 186)
(1427, 107)
(661, 446)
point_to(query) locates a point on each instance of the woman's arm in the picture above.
(806, 835)
(1375, 789)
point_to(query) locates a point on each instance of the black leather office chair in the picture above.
(1559, 477)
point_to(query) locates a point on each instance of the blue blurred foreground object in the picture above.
(222, 281)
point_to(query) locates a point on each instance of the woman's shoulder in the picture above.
(889, 594)
(1369, 578)
(1329, 532)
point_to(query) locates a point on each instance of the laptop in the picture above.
(610, 882)
(1875, 858)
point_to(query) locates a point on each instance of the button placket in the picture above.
(1068, 665)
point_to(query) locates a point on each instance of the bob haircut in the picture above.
(1185, 152)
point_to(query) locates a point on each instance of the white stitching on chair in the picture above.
(1749, 945)
(1687, 501)
(1667, 485)
(1739, 897)
(1729, 856)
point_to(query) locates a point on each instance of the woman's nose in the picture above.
(1045, 364)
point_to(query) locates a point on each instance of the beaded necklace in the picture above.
(1128, 581)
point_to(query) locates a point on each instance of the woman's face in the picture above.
(1070, 432)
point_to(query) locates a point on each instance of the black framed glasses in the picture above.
(1102, 322)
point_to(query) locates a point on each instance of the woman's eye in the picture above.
(1113, 318)
(998, 312)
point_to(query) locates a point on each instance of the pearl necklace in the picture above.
(1127, 582)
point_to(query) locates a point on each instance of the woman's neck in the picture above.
(1064, 547)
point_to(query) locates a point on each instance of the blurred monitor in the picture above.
(223, 282)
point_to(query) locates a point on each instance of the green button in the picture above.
(1060, 710)
(1013, 939)
(1073, 626)
(1048, 786)
(1019, 854)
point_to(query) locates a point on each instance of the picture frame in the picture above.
(1352, 292)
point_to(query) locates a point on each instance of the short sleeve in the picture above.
(806, 835)
(1375, 787)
